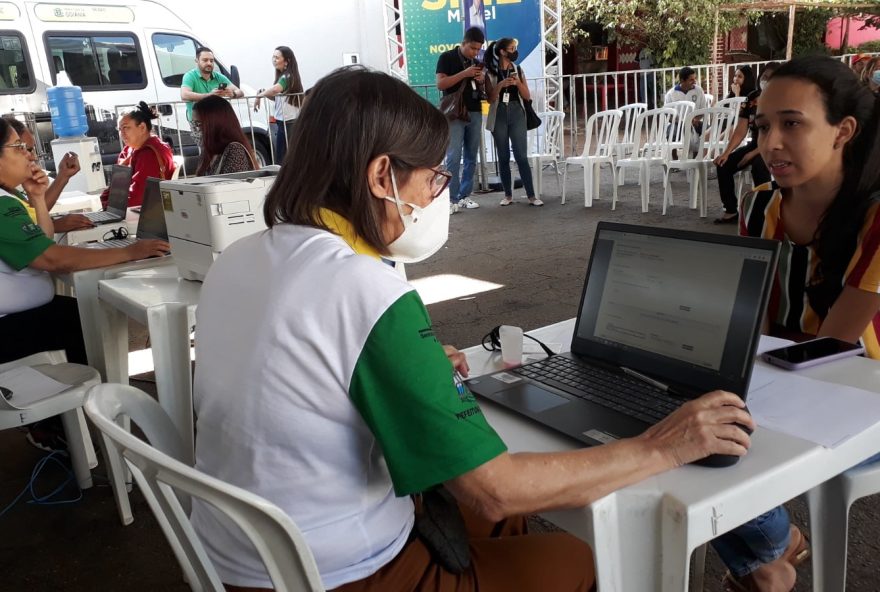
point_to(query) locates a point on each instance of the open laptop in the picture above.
(665, 316)
(117, 204)
(151, 223)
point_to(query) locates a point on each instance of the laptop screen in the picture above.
(151, 223)
(681, 305)
(120, 182)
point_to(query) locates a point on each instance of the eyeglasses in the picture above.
(439, 181)
(196, 125)
(21, 146)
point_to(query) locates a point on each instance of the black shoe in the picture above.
(725, 220)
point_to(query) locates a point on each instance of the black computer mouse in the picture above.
(7, 394)
(724, 460)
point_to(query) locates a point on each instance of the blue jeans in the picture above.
(280, 141)
(762, 540)
(463, 135)
(510, 129)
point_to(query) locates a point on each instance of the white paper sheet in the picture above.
(29, 386)
(821, 412)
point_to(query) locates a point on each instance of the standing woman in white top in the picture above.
(288, 82)
(507, 89)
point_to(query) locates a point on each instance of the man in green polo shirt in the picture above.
(202, 81)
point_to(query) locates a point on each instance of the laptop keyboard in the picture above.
(612, 390)
(101, 216)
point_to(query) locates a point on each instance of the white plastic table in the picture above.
(643, 535)
(77, 201)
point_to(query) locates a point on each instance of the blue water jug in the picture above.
(68, 111)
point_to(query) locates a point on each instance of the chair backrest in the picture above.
(281, 546)
(629, 114)
(682, 110)
(602, 133)
(548, 139)
(710, 99)
(711, 141)
(732, 103)
(650, 135)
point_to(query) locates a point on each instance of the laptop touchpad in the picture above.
(531, 398)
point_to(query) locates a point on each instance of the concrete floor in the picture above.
(537, 255)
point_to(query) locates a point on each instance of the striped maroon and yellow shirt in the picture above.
(789, 306)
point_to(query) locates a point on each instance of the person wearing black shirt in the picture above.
(736, 157)
(454, 68)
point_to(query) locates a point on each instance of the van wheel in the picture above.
(264, 154)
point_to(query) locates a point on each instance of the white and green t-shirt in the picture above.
(321, 387)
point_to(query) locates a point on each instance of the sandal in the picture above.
(725, 220)
(797, 552)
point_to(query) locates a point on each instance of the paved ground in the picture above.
(538, 255)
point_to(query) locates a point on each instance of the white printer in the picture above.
(205, 215)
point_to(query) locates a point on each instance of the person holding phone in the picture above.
(507, 89)
(203, 81)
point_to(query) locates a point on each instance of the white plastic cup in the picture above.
(511, 339)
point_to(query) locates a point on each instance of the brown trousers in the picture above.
(503, 558)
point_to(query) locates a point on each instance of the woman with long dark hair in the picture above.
(287, 89)
(743, 82)
(146, 154)
(819, 133)
(507, 88)
(224, 145)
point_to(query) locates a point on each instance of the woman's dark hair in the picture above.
(220, 128)
(836, 237)
(493, 57)
(16, 124)
(352, 116)
(142, 113)
(769, 68)
(6, 130)
(750, 83)
(294, 82)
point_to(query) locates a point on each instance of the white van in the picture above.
(119, 53)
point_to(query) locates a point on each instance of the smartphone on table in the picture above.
(811, 353)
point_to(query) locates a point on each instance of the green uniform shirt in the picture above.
(21, 239)
(193, 80)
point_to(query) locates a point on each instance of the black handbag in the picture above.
(440, 526)
(452, 105)
(532, 119)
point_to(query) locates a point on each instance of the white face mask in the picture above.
(763, 85)
(425, 230)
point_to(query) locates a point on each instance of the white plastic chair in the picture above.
(601, 137)
(677, 130)
(547, 146)
(624, 147)
(829, 505)
(709, 144)
(68, 404)
(651, 149)
(168, 483)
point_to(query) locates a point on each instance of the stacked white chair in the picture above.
(599, 148)
(168, 484)
(677, 128)
(624, 147)
(651, 149)
(547, 149)
(709, 144)
(17, 412)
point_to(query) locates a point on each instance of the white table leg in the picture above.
(169, 332)
(86, 285)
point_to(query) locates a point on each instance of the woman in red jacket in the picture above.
(146, 154)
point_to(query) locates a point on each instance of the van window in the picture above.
(96, 61)
(15, 69)
(176, 55)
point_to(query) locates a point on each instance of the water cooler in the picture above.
(69, 121)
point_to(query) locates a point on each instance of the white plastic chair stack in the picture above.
(168, 483)
(829, 505)
(650, 149)
(677, 130)
(547, 147)
(68, 404)
(601, 137)
(624, 148)
(709, 145)
(733, 105)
